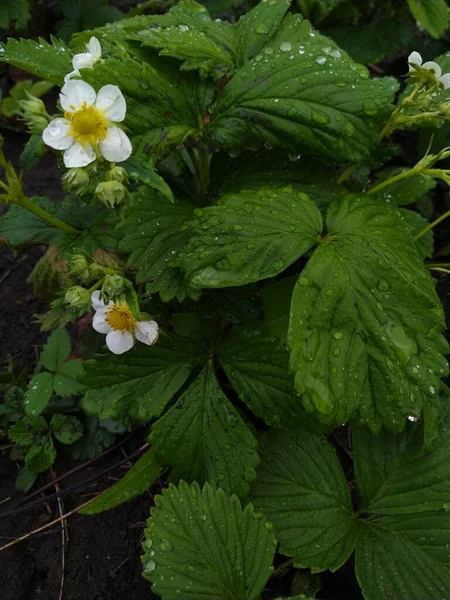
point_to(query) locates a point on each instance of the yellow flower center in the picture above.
(120, 318)
(88, 125)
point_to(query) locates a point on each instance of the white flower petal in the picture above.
(116, 146)
(147, 332)
(112, 103)
(97, 303)
(94, 48)
(414, 59)
(78, 155)
(432, 66)
(69, 76)
(74, 93)
(56, 134)
(99, 323)
(445, 80)
(84, 60)
(119, 342)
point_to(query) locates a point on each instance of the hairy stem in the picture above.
(44, 215)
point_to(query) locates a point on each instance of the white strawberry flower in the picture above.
(85, 60)
(88, 126)
(415, 62)
(120, 325)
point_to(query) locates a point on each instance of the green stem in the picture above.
(281, 569)
(347, 173)
(96, 285)
(424, 115)
(44, 215)
(440, 269)
(392, 180)
(431, 225)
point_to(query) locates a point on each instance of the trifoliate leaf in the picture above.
(273, 168)
(67, 381)
(373, 42)
(49, 61)
(365, 321)
(432, 14)
(38, 394)
(141, 382)
(66, 429)
(136, 481)
(152, 237)
(56, 350)
(302, 93)
(302, 489)
(203, 438)
(251, 235)
(41, 455)
(404, 557)
(188, 556)
(27, 430)
(258, 369)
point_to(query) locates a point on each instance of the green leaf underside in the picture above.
(404, 557)
(56, 350)
(152, 236)
(141, 382)
(38, 394)
(397, 476)
(250, 236)
(257, 367)
(49, 61)
(432, 14)
(305, 94)
(303, 491)
(203, 438)
(136, 481)
(365, 321)
(189, 556)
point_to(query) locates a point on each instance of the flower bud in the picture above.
(78, 297)
(111, 192)
(118, 174)
(113, 286)
(76, 179)
(79, 267)
(34, 114)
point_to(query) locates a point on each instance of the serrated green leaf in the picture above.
(203, 438)
(49, 61)
(374, 41)
(188, 555)
(434, 15)
(67, 381)
(66, 429)
(41, 455)
(56, 350)
(38, 394)
(365, 321)
(251, 235)
(256, 28)
(152, 237)
(136, 481)
(317, 10)
(272, 168)
(396, 475)
(144, 171)
(404, 557)
(13, 403)
(258, 369)
(415, 222)
(187, 33)
(403, 192)
(143, 381)
(32, 152)
(25, 480)
(303, 94)
(27, 430)
(302, 489)
(14, 14)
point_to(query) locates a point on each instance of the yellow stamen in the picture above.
(88, 125)
(120, 318)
